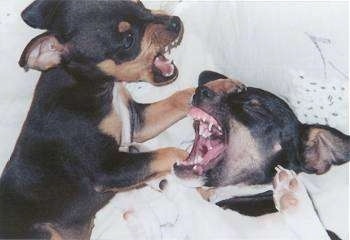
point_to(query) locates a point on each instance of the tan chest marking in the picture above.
(112, 125)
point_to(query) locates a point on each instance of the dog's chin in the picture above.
(208, 148)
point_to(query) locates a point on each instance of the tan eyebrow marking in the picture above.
(124, 26)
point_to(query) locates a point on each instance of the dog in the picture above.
(66, 164)
(243, 134)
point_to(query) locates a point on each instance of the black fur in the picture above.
(253, 205)
(62, 160)
(136, 111)
(208, 76)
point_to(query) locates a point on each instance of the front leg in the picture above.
(149, 120)
(293, 201)
(130, 170)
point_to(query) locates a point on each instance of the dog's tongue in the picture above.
(164, 65)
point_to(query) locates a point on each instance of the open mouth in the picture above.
(208, 145)
(163, 67)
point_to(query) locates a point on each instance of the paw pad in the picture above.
(286, 189)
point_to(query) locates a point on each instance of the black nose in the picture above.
(174, 24)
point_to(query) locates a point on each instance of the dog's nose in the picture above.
(174, 24)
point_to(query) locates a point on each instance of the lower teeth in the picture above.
(198, 159)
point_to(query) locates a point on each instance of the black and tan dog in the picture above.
(66, 157)
(243, 134)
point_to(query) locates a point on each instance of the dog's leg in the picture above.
(148, 120)
(294, 203)
(131, 170)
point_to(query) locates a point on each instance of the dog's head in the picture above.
(242, 134)
(121, 39)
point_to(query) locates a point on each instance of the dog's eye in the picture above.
(128, 41)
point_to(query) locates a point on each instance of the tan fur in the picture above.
(165, 158)
(124, 189)
(112, 125)
(58, 233)
(224, 85)
(159, 12)
(176, 107)
(155, 38)
(206, 193)
(242, 147)
(54, 233)
(124, 26)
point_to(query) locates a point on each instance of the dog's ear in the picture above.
(42, 53)
(40, 13)
(323, 147)
(208, 76)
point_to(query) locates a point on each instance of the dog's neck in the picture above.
(85, 92)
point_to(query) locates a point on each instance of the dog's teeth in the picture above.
(206, 134)
(198, 159)
(200, 131)
(210, 147)
(168, 74)
(210, 126)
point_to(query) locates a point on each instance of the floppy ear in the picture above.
(208, 76)
(40, 13)
(42, 53)
(323, 147)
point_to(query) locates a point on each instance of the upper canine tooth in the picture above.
(200, 131)
(198, 159)
(210, 126)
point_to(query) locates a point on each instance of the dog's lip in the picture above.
(163, 65)
(159, 77)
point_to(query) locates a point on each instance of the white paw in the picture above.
(293, 201)
(288, 191)
(142, 224)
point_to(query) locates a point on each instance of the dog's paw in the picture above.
(288, 191)
(134, 224)
(292, 200)
(142, 224)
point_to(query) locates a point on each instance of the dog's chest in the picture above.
(117, 122)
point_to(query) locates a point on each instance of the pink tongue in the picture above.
(164, 65)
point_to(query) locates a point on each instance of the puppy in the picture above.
(242, 134)
(66, 164)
